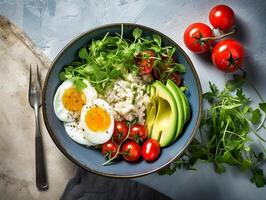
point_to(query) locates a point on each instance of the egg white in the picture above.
(61, 112)
(76, 133)
(97, 137)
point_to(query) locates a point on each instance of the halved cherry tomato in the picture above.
(151, 150)
(228, 55)
(109, 149)
(120, 131)
(131, 151)
(145, 61)
(222, 17)
(156, 74)
(138, 132)
(176, 78)
(193, 37)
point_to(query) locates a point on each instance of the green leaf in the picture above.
(245, 165)
(100, 75)
(263, 107)
(157, 39)
(179, 67)
(255, 116)
(258, 177)
(209, 96)
(214, 89)
(237, 82)
(227, 157)
(219, 168)
(114, 74)
(166, 170)
(156, 49)
(91, 68)
(134, 47)
(260, 157)
(229, 107)
(240, 94)
(76, 63)
(79, 84)
(62, 76)
(137, 33)
(246, 109)
(83, 53)
(69, 69)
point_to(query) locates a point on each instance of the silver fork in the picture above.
(35, 102)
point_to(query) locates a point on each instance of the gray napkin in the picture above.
(86, 186)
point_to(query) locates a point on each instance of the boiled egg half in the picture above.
(76, 133)
(68, 101)
(97, 121)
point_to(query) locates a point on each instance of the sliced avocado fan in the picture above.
(165, 121)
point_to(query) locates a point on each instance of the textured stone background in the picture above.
(52, 23)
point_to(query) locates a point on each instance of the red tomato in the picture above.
(151, 150)
(156, 74)
(145, 61)
(222, 17)
(176, 78)
(193, 37)
(138, 132)
(109, 149)
(131, 151)
(120, 131)
(228, 55)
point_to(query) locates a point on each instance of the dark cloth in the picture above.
(86, 186)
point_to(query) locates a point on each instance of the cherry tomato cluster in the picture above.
(131, 143)
(227, 54)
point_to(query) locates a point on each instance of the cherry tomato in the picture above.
(222, 17)
(138, 132)
(151, 150)
(131, 151)
(156, 74)
(109, 149)
(193, 37)
(145, 61)
(120, 131)
(228, 55)
(176, 78)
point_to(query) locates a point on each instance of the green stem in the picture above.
(256, 90)
(259, 136)
(220, 36)
(262, 101)
(118, 149)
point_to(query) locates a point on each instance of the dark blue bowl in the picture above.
(91, 159)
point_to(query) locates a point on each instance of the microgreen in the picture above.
(224, 133)
(137, 33)
(103, 61)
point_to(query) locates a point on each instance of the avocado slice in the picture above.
(164, 126)
(180, 109)
(151, 114)
(186, 107)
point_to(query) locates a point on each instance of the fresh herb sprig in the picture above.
(225, 133)
(103, 61)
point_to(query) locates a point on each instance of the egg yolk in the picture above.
(97, 119)
(73, 99)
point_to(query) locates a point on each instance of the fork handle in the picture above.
(41, 177)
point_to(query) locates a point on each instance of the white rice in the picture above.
(128, 98)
